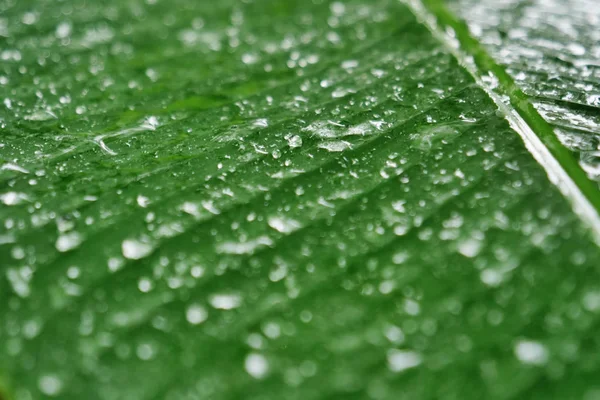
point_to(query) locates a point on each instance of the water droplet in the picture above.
(294, 141)
(432, 137)
(591, 301)
(19, 281)
(349, 64)
(14, 167)
(41, 115)
(68, 241)
(13, 198)
(247, 247)
(401, 360)
(394, 334)
(145, 351)
(322, 129)
(249, 58)
(134, 249)
(225, 301)
(31, 329)
(261, 123)
(63, 30)
(50, 385)
(256, 365)
(531, 352)
(470, 247)
(145, 285)
(73, 272)
(400, 230)
(142, 201)
(284, 225)
(278, 273)
(491, 277)
(272, 330)
(196, 314)
(115, 264)
(335, 146)
(197, 271)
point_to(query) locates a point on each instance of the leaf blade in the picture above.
(426, 232)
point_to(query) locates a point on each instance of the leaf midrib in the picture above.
(443, 23)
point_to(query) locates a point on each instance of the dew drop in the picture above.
(294, 141)
(68, 241)
(134, 249)
(283, 225)
(394, 334)
(470, 247)
(401, 360)
(591, 301)
(335, 146)
(13, 198)
(145, 351)
(145, 285)
(142, 201)
(197, 271)
(400, 230)
(491, 277)
(50, 385)
(196, 314)
(256, 365)
(225, 301)
(531, 352)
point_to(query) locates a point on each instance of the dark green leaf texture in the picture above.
(267, 200)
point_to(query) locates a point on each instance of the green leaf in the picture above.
(268, 200)
(554, 59)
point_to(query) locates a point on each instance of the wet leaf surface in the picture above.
(269, 200)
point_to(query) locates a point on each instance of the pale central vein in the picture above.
(583, 195)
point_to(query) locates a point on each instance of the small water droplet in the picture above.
(145, 351)
(401, 360)
(134, 249)
(432, 137)
(196, 314)
(394, 334)
(197, 271)
(284, 225)
(591, 301)
(225, 301)
(470, 247)
(491, 277)
(335, 146)
(145, 285)
(50, 385)
(68, 241)
(349, 64)
(531, 352)
(247, 247)
(142, 201)
(400, 230)
(256, 365)
(294, 141)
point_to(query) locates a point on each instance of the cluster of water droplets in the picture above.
(554, 59)
(328, 193)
